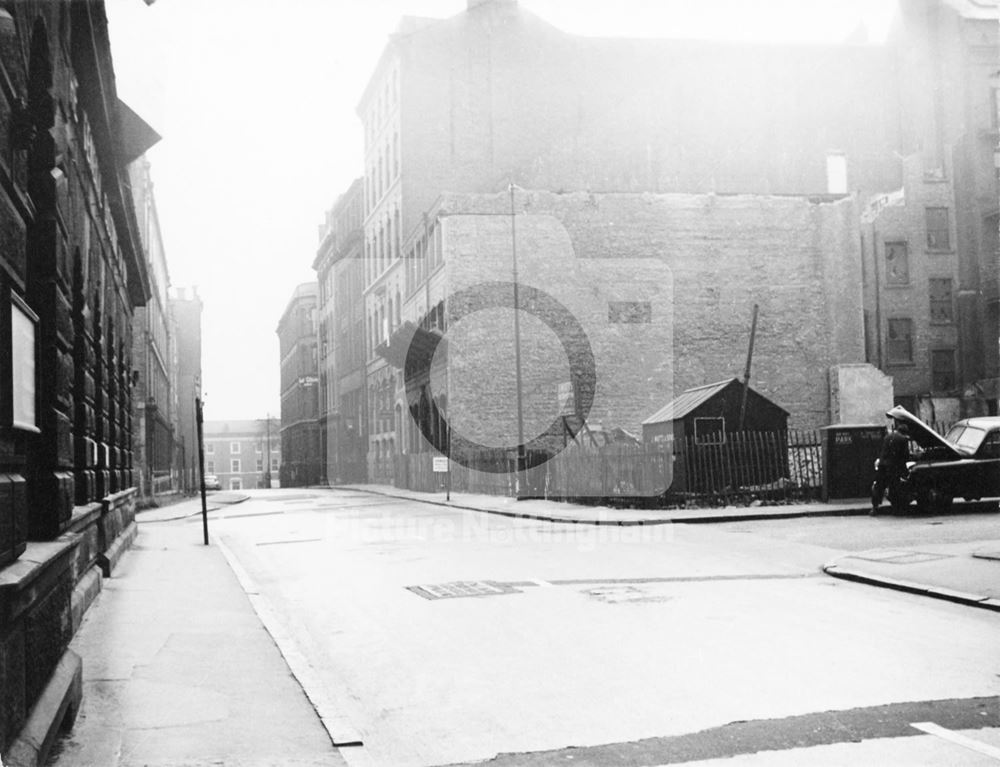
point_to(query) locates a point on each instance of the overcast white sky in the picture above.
(255, 102)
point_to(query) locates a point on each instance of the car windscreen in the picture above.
(967, 437)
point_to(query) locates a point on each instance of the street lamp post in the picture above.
(517, 349)
(267, 464)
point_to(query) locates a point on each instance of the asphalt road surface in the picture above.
(432, 636)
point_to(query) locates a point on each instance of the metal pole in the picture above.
(267, 466)
(746, 372)
(201, 468)
(447, 478)
(878, 301)
(517, 349)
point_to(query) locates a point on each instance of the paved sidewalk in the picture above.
(967, 573)
(179, 670)
(555, 511)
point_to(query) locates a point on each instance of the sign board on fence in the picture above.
(565, 398)
(440, 464)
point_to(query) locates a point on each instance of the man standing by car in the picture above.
(891, 463)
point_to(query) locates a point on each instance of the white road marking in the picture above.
(974, 745)
(546, 584)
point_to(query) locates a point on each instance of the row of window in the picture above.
(234, 447)
(899, 351)
(382, 247)
(424, 257)
(940, 292)
(381, 105)
(381, 173)
(236, 466)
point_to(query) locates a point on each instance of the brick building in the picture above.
(647, 278)
(302, 462)
(72, 272)
(340, 276)
(185, 309)
(244, 455)
(932, 254)
(157, 455)
(496, 95)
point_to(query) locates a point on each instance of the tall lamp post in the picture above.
(517, 349)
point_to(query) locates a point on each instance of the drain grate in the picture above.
(457, 589)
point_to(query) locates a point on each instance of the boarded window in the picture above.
(897, 264)
(943, 369)
(900, 346)
(635, 312)
(938, 230)
(942, 306)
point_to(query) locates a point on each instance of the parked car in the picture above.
(964, 463)
(212, 482)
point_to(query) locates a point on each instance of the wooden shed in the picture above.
(713, 409)
(700, 427)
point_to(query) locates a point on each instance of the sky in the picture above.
(255, 101)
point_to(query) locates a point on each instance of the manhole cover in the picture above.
(462, 589)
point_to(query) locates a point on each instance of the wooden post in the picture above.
(746, 372)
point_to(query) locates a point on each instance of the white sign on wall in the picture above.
(22, 366)
(440, 464)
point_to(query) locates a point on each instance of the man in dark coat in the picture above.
(891, 462)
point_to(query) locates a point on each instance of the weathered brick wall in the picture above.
(497, 95)
(632, 360)
(701, 261)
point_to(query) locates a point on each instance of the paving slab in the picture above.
(178, 669)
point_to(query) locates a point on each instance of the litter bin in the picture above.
(849, 453)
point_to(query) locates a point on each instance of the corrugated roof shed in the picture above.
(687, 401)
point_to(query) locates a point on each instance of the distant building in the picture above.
(185, 309)
(303, 462)
(339, 269)
(244, 455)
(157, 454)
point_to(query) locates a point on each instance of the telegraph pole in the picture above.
(517, 349)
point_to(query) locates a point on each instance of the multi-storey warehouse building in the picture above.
(185, 309)
(496, 96)
(302, 463)
(157, 455)
(340, 274)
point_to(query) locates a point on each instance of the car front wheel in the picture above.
(933, 501)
